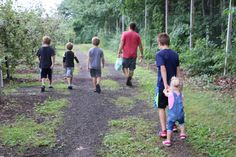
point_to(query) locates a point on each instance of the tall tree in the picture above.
(228, 37)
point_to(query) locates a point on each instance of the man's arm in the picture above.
(120, 48)
(141, 51)
(164, 76)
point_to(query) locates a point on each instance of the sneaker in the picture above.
(128, 82)
(51, 87)
(43, 89)
(98, 88)
(163, 134)
(175, 129)
(166, 143)
(182, 136)
(70, 87)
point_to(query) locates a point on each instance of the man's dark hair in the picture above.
(164, 39)
(132, 26)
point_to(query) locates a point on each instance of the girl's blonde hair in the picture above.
(176, 83)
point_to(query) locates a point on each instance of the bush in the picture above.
(205, 58)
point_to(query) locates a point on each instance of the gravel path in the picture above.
(86, 120)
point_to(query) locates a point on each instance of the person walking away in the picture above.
(167, 62)
(46, 56)
(95, 62)
(129, 43)
(68, 62)
(175, 109)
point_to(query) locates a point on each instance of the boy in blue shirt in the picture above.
(167, 62)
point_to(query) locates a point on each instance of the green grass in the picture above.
(27, 76)
(26, 133)
(130, 137)
(126, 103)
(51, 107)
(210, 116)
(110, 85)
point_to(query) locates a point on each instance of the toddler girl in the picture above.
(175, 109)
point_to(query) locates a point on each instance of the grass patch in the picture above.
(125, 103)
(26, 133)
(27, 76)
(130, 137)
(110, 85)
(50, 107)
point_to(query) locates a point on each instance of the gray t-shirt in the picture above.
(95, 57)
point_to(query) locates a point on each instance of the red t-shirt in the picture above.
(131, 41)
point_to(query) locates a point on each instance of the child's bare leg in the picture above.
(98, 80)
(182, 129)
(162, 116)
(43, 81)
(168, 135)
(94, 82)
(69, 81)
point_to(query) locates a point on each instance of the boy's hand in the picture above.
(52, 66)
(119, 55)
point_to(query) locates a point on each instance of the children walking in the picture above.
(95, 62)
(167, 62)
(175, 109)
(68, 62)
(46, 56)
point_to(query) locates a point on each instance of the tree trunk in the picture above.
(1, 81)
(191, 24)
(123, 22)
(8, 70)
(228, 38)
(145, 23)
(166, 17)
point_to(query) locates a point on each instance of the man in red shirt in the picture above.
(129, 43)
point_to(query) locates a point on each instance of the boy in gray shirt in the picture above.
(95, 62)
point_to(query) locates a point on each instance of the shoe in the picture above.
(163, 134)
(128, 82)
(43, 89)
(70, 87)
(175, 129)
(166, 143)
(182, 136)
(98, 88)
(51, 87)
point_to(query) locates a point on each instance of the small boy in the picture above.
(46, 56)
(95, 61)
(68, 62)
(167, 62)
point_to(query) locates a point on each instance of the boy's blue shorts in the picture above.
(69, 71)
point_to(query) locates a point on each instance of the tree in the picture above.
(229, 34)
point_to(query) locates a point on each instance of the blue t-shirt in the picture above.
(45, 53)
(170, 59)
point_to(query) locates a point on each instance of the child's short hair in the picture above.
(164, 39)
(69, 46)
(46, 40)
(176, 83)
(95, 41)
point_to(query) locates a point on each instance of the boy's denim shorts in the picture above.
(69, 71)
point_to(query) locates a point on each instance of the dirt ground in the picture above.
(86, 119)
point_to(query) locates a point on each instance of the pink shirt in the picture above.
(131, 41)
(171, 99)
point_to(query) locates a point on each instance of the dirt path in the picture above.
(87, 118)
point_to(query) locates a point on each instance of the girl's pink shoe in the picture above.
(182, 136)
(166, 143)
